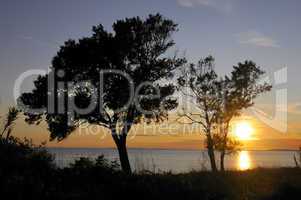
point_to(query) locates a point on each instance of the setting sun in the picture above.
(243, 130)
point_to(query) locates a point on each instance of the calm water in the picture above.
(178, 160)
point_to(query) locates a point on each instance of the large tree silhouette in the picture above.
(136, 48)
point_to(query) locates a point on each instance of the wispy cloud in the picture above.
(221, 5)
(192, 3)
(256, 38)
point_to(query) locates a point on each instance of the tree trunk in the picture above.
(123, 155)
(2, 134)
(224, 149)
(211, 154)
(222, 162)
(8, 133)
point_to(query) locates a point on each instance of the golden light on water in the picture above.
(243, 130)
(244, 161)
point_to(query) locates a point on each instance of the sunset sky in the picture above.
(265, 31)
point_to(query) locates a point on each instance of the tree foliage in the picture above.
(238, 92)
(216, 101)
(200, 84)
(136, 47)
(9, 122)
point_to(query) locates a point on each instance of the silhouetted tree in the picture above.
(199, 84)
(297, 159)
(237, 93)
(217, 100)
(9, 121)
(225, 145)
(136, 48)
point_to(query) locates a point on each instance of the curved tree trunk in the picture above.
(120, 141)
(123, 155)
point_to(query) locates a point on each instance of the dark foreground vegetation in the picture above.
(27, 172)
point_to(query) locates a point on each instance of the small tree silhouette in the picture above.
(297, 159)
(218, 100)
(237, 92)
(199, 83)
(9, 121)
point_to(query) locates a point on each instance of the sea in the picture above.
(178, 161)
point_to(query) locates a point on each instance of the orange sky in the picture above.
(32, 34)
(166, 135)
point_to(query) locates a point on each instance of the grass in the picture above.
(28, 172)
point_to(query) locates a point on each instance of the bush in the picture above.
(27, 172)
(25, 169)
(100, 162)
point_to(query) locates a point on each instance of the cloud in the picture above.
(256, 39)
(192, 3)
(221, 5)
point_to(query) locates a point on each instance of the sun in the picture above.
(243, 130)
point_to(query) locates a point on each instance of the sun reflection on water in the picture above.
(244, 161)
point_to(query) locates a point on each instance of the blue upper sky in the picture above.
(266, 31)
